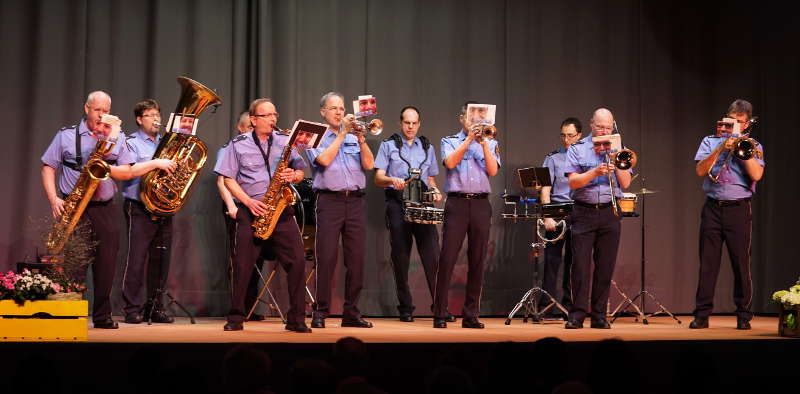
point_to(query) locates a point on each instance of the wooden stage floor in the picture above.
(391, 330)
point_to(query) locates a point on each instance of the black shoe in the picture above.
(161, 317)
(108, 324)
(600, 323)
(439, 323)
(134, 318)
(742, 323)
(298, 327)
(699, 322)
(317, 321)
(573, 324)
(406, 317)
(450, 318)
(360, 323)
(256, 317)
(471, 322)
(233, 326)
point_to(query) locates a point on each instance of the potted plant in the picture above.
(789, 319)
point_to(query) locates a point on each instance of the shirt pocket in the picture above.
(252, 161)
(351, 149)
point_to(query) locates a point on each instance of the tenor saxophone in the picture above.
(277, 198)
(95, 171)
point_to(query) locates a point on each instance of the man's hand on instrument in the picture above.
(288, 175)
(549, 224)
(603, 169)
(257, 207)
(437, 195)
(165, 164)
(728, 144)
(398, 183)
(57, 207)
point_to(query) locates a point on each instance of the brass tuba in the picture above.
(161, 192)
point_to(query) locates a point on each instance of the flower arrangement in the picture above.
(789, 301)
(32, 286)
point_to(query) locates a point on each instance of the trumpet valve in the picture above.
(375, 126)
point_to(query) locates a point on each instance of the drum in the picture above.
(556, 209)
(423, 214)
(627, 204)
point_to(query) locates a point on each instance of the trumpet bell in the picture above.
(744, 148)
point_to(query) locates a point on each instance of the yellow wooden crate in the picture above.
(68, 322)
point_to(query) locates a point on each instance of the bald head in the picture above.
(98, 96)
(602, 122)
(98, 103)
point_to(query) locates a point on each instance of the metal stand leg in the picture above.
(272, 303)
(172, 300)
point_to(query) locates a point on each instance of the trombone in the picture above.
(744, 148)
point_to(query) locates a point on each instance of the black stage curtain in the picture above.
(667, 70)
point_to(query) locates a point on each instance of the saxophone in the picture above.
(95, 171)
(164, 193)
(277, 197)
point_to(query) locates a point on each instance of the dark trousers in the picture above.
(400, 234)
(288, 246)
(595, 234)
(557, 254)
(731, 225)
(266, 254)
(105, 233)
(340, 216)
(463, 218)
(149, 247)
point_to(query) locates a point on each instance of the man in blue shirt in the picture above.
(595, 228)
(149, 236)
(727, 216)
(469, 160)
(68, 152)
(397, 156)
(560, 251)
(338, 164)
(248, 165)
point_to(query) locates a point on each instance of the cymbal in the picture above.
(645, 190)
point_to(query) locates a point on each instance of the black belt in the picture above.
(346, 193)
(602, 205)
(99, 203)
(472, 196)
(728, 203)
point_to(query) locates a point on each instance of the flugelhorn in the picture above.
(355, 126)
(484, 130)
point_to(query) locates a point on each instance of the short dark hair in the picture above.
(573, 121)
(464, 107)
(144, 105)
(407, 107)
(741, 106)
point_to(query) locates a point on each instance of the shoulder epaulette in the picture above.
(281, 132)
(552, 153)
(453, 136)
(579, 142)
(68, 127)
(129, 136)
(240, 137)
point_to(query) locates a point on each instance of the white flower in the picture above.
(791, 298)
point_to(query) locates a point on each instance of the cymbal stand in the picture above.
(643, 292)
(160, 292)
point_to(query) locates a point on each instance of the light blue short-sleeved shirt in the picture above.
(344, 172)
(581, 157)
(140, 148)
(469, 176)
(62, 150)
(242, 160)
(556, 162)
(396, 161)
(733, 182)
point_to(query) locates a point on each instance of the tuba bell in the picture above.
(161, 192)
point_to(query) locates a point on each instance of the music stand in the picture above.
(533, 178)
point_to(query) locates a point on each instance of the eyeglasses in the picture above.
(336, 109)
(567, 136)
(152, 116)
(271, 114)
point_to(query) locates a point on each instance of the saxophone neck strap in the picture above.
(264, 155)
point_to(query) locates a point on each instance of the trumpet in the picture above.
(744, 148)
(625, 159)
(354, 126)
(484, 130)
